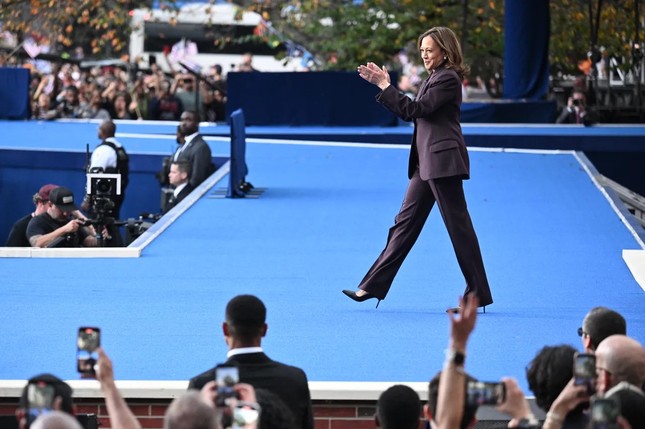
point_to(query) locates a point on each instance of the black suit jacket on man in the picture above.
(174, 200)
(287, 382)
(198, 154)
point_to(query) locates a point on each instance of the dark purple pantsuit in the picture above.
(438, 165)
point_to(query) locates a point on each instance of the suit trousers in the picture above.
(419, 199)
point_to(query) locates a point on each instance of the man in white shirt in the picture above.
(110, 157)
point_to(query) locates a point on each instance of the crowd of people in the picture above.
(121, 90)
(599, 386)
(258, 392)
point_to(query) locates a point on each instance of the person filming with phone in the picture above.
(235, 404)
(243, 329)
(457, 395)
(43, 394)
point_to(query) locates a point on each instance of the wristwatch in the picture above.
(456, 357)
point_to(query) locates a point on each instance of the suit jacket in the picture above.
(198, 153)
(289, 383)
(173, 201)
(438, 147)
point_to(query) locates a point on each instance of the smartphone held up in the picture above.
(485, 393)
(584, 371)
(88, 341)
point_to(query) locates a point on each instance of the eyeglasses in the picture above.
(582, 333)
(600, 369)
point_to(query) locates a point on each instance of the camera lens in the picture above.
(576, 102)
(103, 186)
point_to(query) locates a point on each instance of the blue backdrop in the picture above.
(14, 93)
(317, 98)
(526, 49)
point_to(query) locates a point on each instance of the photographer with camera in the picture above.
(62, 225)
(576, 111)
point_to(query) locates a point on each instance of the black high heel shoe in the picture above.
(365, 297)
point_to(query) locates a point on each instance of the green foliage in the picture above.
(343, 34)
(571, 32)
(100, 26)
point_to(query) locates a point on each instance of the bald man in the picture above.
(56, 420)
(619, 358)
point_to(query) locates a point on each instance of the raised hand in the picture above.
(374, 74)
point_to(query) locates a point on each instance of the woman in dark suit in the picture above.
(438, 164)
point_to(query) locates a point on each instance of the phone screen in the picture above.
(584, 371)
(87, 341)
(226, 378)
(485, 393)
(40, 400)
(604, 413)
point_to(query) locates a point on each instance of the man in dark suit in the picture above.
(194, 149)
(178, 177)
(399, 407)
(243, 329)
(576, 111)
(437, 167)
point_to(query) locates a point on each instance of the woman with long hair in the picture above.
(438, 165)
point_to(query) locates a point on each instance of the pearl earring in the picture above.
(445, 58)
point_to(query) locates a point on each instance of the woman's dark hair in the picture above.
(447, 41)
(549, 372)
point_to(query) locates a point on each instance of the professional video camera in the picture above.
(101, 189)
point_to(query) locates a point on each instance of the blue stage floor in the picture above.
(552, 244)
